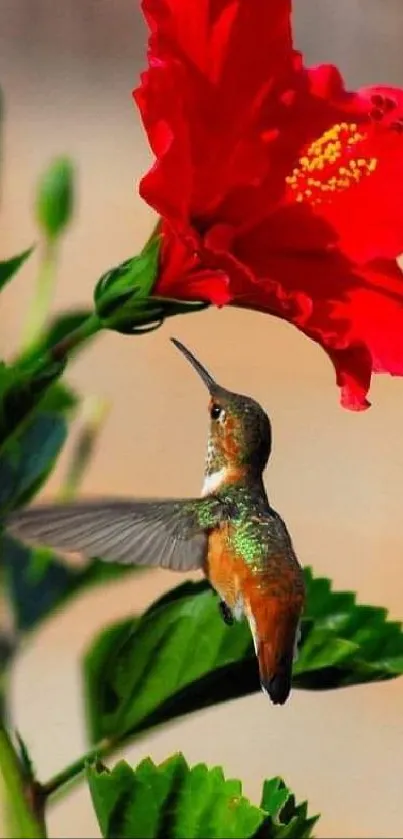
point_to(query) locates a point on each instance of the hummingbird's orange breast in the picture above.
(228, 572)
(258, 590)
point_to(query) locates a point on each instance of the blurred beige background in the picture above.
(67, 69)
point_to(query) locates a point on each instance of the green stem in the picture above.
(4, 684)
(93, 414)
(7, 644)
(70, 772)
(39, 309)
(24, 804)
(61, 350)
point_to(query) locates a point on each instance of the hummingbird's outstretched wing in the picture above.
(165, 533)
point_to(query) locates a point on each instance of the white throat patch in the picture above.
(213, 481)
(212, 478)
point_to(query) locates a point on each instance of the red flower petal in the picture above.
(357, 317)
(352, 175)
(168, 135)
(279, 189)
(182, 276)
(200, 55)
(353, 376)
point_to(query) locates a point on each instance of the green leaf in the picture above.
(7, 649)
(7, 377)
(9, 267)
(170, 801)
(25, 759)
(153, 674)
(61, 326)
(345, 643)
(55, 197)
(171, 306)
(285, 819)
(59, 398)
(141, 673)
(21, 390)
(37, 582)
(22, 820)
(25, 464)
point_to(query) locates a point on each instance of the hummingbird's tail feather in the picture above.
(275, 676)
(275, 630)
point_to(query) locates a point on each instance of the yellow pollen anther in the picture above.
(331, 164)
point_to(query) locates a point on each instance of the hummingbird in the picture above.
(230, 532)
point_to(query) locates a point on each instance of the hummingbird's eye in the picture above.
(215, 411)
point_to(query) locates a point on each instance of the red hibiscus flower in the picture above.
(278, 190)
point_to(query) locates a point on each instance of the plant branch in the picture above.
(70, 772)
(93, 414)
(39, 309)
(24, 803)
(61, 350)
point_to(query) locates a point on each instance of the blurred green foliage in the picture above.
(54, 202)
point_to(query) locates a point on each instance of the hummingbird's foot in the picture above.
(226, 613)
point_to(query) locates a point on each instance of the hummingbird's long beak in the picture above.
(203, 373)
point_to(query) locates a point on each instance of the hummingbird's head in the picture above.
(240, 432)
